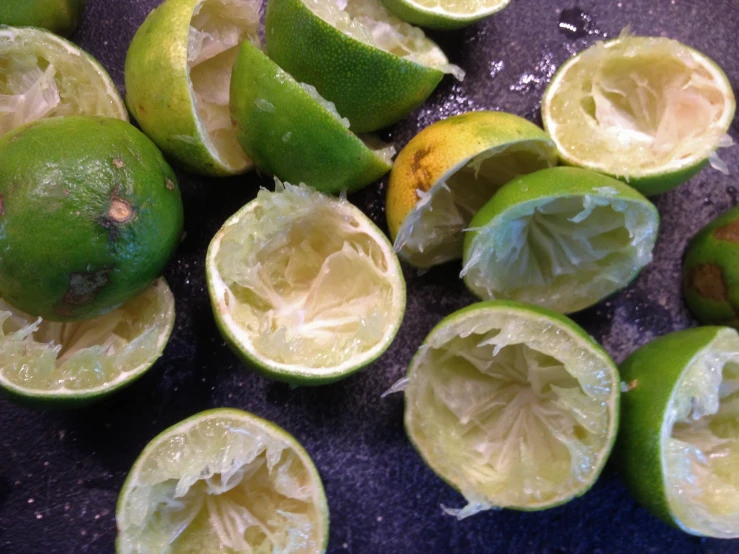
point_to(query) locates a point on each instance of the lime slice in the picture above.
(444, 14)
(372, 65)
(178, 72)
(290, 131)
(45, 362)
(647, 110)
(304, 286)
(223, 481)
(58, 16)
(512, 405)
(448, 171)
(563, 238)
(679, 438)
(42, 75)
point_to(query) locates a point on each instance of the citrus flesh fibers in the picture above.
(373, 66)
(304, 286)
(43, 75)
(563, 238)
(50, 363)
(90, 215)
(647, 110)
(59, 16)
(512, 405)
(448, 171)
(291, 132)
(178, 73)
(679, 438)
(223, 481)
(444, 14)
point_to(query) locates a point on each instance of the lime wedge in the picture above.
(42, 75)
(222, 481)
(648, 110)
(512, 405)
(448, 171)
(563, 238)
(304, 286)
(679, 438)
(58, 16)
(48, 363)
(372, 65)
(444, 14)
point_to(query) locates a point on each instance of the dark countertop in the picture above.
(60, 472)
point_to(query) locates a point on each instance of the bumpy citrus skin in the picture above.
(370, 87)
(90, 215)
(711, 271)
(407, 11)
(58, 16)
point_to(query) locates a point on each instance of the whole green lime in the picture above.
(59, 16)
(90, 213)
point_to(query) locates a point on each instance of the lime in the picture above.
(648, 110)
(304, 287)
(291, 132)
(90, 213)
(514, 406)
(56, 364)
(372, 65)
(448, 171)
(42, 75)
(444, 14)
(178, 71)
(59, 16)
(711, 273)
(563, 238)
(223, 481)
(679, 438)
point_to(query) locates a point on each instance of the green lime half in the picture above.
(223, 481)
(372, 65)
(54, 364)
(42, 75)
(679, 438)
(514, 406)
(304, 287)
(563, 238)
(444, 14)
(58, 16)
(648, 110)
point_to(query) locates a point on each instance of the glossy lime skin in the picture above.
(90, 215)
(711, 271)
(58, 16)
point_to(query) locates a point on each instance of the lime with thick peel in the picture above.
(291, 132)
(448, 171)
(43, 75)
(711, 271)
(563, 238)
(304, 287)
(178, 71)
(223, 481)
(514, 406)
(373, 66)
(679, 438)
(648, 110)
(58, 16)
(444, 14)
(46, 363)
(90, 214)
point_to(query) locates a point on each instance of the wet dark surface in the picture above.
(60, 472)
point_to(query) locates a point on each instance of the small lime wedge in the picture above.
(58, 16)
(444, 14)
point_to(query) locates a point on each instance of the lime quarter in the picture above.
(444, 14)
(59, 16)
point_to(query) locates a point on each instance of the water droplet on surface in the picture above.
(575, 23)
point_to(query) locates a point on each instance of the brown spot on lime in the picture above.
(118, 163)
(420, 173)
(728, 232)
(169, 183)
(82, 289)
(120, 210)
(708, 282)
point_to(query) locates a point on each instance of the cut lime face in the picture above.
(46, 361)
(512, 405)
(562, 238)
(42, 75)
(444, 14)
(648, 110)
(304, 286)
(222, 481)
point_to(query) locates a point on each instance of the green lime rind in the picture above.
(438, 19)
(289, 134)
(711, 271)
(58, 16)
(369, 86)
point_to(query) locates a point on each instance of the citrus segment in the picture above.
(223, 481)
(562, 238)
(514, 406)
(59, 16)
(444, 14)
